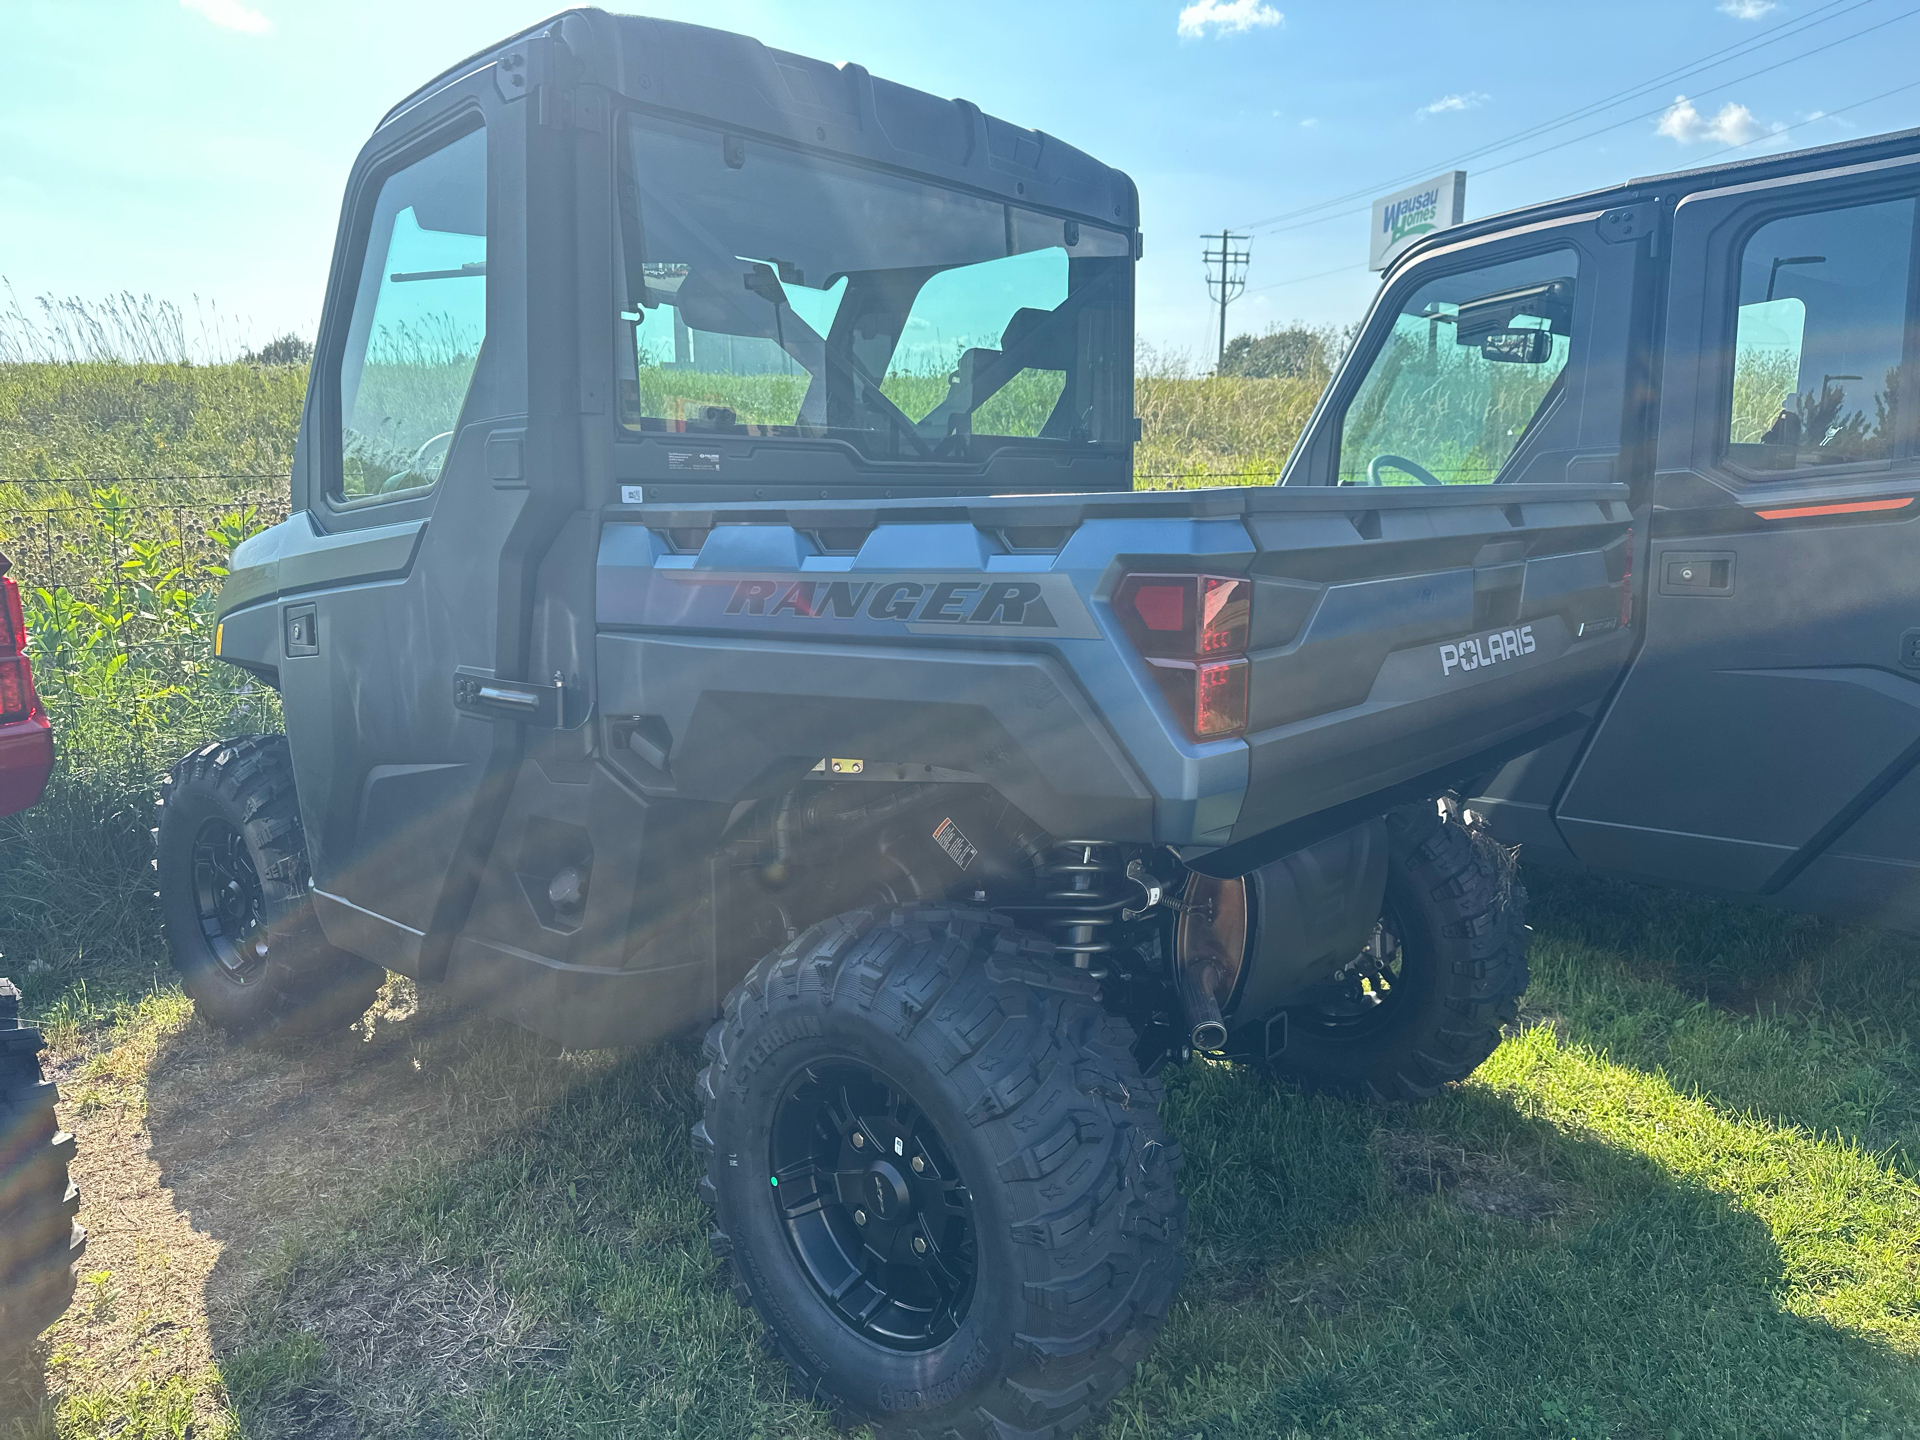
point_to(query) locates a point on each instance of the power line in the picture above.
(1303, 279)
(1747, 46)
(1618, 124)
(1710, 155)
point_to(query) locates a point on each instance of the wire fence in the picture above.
(84, 547)
(25, 481)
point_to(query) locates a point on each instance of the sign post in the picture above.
(1402, 217)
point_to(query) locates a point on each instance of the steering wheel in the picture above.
(1401, 463)
(436, 448)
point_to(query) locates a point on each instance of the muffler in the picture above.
(1210, 946)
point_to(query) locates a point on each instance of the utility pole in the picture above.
(1226, 279)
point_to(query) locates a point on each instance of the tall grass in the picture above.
(130, 328)
(1225, 430)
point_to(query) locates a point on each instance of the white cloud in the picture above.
(230, 15)
(1312, 122)
(1227, 17)
(1472, 100)
(1746, 9)
(1733, 125)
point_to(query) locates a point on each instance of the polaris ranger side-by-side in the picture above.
(1764, 742)
(715, 595)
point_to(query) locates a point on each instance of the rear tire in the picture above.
(40, 1243)
(1458, 910)
(1035, 1251)
(233, 898)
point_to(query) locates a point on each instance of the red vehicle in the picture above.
(26, 735)
(40, 1242)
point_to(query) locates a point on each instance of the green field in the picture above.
(1682, 1199)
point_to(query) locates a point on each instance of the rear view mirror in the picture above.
(1517, 347)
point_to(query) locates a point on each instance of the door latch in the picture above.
(478, 693)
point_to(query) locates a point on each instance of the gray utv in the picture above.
(715, 596)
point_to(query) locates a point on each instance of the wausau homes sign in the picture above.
(1404, 216)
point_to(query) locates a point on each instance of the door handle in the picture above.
(302, 630)
(1696, 572)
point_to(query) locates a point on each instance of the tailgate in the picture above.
(1400, 646)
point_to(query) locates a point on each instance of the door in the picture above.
(1764, 740)
(411, 455)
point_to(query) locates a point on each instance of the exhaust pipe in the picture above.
(1210, 946)
(1199, 985)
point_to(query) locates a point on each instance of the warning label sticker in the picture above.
(959, 849)
(693, 460)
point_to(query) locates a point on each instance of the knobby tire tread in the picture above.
(40, 1240)
(1089, 1169)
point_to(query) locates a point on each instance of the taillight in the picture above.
(1192, 631)
(17, 698)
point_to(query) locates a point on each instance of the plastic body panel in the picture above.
(759, 653)
(26, 760)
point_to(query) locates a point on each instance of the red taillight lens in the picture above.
(17, 697)
(1185, 617)
(1211, 698)
(1192, 630)
(17, 700)
(13, 625)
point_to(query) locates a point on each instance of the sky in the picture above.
(196, 150)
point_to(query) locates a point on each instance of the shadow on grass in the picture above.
(449, 1228)
(1464, 1268)
(1805, 1023)
(446, 1229)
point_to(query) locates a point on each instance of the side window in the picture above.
(1472, 363)
(1824, 300)
(419, 317)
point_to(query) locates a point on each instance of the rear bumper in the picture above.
(26, 760)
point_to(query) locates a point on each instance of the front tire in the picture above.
(233, 898)
(1426, 1003)
(993, 1253)
(39, 1240)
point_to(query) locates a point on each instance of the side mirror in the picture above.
(1517, 347)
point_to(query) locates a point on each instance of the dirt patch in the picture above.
(200, 1160)
(1424, 1165)
(396, 1340)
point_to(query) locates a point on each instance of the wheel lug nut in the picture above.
(919, 1246)
(919, 1164)
(859, 1217)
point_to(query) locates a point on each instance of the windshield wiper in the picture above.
(472, 267)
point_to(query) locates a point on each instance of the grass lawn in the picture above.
(1681, 1200)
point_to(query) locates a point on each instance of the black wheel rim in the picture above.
(228, 897)
(1366, 994)
(873, 1205)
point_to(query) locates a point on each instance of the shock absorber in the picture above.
(1086, 888)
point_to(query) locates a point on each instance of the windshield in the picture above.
(778, 294)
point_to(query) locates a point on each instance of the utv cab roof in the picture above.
(736, 82)
(1673, 184)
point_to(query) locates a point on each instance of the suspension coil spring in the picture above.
(1086, 888)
